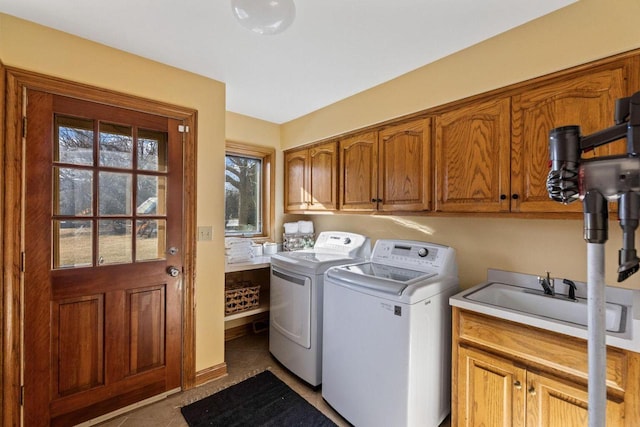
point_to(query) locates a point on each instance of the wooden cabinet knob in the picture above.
(515, 196)
(532, 391)
(503, 196)
(517, 385)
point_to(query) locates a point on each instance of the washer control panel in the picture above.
(410, 254)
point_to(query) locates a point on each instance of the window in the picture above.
(249, 190)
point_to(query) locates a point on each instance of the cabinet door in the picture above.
(359, 172)
(404, 181)
(552, 402)
(490, 390)
(296, 170)
(472, 155)
(323, 173)
(587, 100)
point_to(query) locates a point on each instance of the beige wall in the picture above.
(36, 48)
(582, 32)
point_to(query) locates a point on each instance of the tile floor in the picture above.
(245, 356)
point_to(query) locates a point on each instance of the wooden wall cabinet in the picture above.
(472, 158)
(387, 170)
(310, 178)
(586, 99)
(493, 155)
(507, 374)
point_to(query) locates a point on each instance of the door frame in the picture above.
(12, 205)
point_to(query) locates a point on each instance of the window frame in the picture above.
(268, 156)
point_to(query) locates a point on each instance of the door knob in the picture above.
(173, 271)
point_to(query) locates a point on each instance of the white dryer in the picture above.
(387, 335)
(295, 314)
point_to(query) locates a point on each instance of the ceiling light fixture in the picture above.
(264, 16)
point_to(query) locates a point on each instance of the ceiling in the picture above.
(334, 48)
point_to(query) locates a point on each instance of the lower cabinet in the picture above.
(506, 374)
(495, 391)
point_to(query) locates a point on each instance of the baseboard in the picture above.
(238, 331)
(210, 374)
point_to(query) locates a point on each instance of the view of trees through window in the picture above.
(243, 205)
(129, 166)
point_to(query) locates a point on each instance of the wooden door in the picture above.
(490, 390)
(553, 402)
(472, 158)
(359, 172)
(587, 100)
(404, 180)
(296, 180)
(323, 173)
(103, 224)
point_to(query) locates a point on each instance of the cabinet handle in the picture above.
(503, 196)
(373, 200)
(517, 385)
(380, 200)
(515, 196)
(532, 391)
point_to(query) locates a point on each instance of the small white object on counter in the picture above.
(305, 227)
(290, 227)
(270, 248)
(627, 338)
(237, 250)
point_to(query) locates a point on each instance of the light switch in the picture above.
(205, 232)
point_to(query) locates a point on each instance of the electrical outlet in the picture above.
(205, 233)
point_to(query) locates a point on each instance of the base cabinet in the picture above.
(507, 374)
(494, 391)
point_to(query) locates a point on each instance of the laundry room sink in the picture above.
(519, 297)
(557, 307)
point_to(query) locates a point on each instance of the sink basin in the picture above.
(526, 300)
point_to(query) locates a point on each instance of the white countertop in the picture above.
(255, 263)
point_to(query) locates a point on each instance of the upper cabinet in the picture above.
(492, 155)
(490, 152)
(472, 155)
(310, 178)
(387, 170)
(587, 100)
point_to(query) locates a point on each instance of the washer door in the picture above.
(290, 311)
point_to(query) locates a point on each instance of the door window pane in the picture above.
(97, 223)
(114, 193)
(116, 146)
(150, 239)
(243, 204)
(152, 150)
(114, 241)
(73, 244)
(151, 196)
(73, 193)
(74, 141)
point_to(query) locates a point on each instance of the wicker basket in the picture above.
(241, 296)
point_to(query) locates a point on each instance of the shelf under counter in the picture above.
(250, 270)
(262, 308)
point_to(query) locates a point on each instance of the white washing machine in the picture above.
(387, 335)
(295, 314)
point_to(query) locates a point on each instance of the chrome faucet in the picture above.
(547, 285)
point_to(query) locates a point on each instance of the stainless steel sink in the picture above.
(533, 302)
